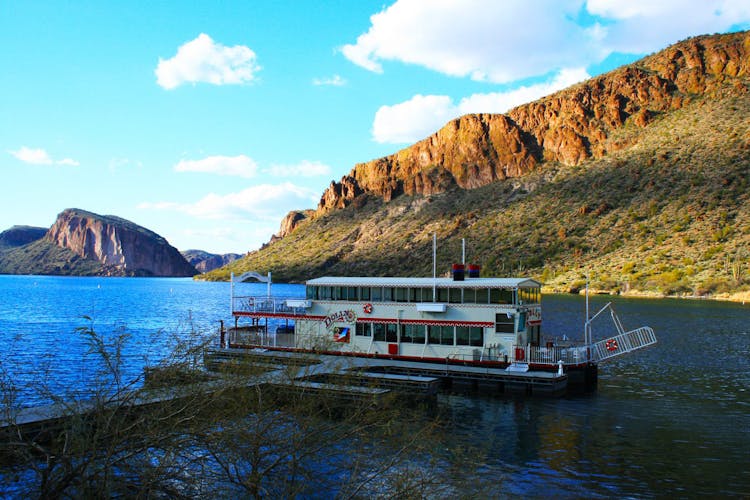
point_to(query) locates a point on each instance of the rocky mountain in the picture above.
(18, 236)
(568, 127)
(639, 178)
(204, 261)
(84, 243)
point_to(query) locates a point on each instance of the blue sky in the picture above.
(208, 121)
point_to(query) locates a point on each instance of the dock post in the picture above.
(222, 334)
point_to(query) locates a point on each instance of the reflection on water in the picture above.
(672, 420)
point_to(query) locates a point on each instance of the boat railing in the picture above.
(550, 355)
(292, 306)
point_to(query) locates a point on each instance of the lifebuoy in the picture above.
(367, 308)
(520, 354)
(611, 345)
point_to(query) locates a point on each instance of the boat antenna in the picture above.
(434, 267)
(463, 251)
(587, 332)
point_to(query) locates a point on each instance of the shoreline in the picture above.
(742, 297)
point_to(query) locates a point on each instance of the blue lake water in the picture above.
(673, 420)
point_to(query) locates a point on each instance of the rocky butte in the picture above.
(122, 247)
(567, 127)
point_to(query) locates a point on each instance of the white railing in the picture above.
(569, 355)
(294, 306)
(624, 343)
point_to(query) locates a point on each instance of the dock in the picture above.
(342, 377)
(405, 376)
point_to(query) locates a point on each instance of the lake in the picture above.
(672, 420)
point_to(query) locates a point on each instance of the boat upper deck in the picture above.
(421, 282)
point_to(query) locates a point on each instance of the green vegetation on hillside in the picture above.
(667, 215)
(44, 257)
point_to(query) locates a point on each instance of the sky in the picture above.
(207, 122)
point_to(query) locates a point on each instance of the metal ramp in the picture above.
(623, 343)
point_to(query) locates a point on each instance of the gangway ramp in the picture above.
(623, 343)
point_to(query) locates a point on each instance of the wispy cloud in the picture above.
(38, 156)
(421, 116)
(335, 81)
(203, 60)
(239, 166)
(304, 168)
(501, 42)
(266, 202)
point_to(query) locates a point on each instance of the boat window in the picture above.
(476, 335)
(440, 334)
(391, 332)
(505, 323)
(363, 330)
(376, 293)
(470, 296)
(529, 295)
(470, 335)
(339, 293)
(427, 295)
(454, 295)
(387, 294)
(462, 335)
(364, 293)
(442, 295)
(413, 333)
(325, 293)
(402, 295)
(501, 296)
(522, 321)
(310, 292)
(351, 293)
(378, 331)
(483, 296)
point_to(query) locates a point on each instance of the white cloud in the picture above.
(500, 102)
(412, 120)
(265, 202)
(421, 116)
(486, 41)
(335, 81)
(203, 60)
(240, 166)
(643, 26)
(305, 168)
(38, 156)
(507, 41)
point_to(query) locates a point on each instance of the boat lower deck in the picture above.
(488, 380)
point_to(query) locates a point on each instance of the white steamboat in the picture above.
(464, 320)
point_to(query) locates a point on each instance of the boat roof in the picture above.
(404, 282)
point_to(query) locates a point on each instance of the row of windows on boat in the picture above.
(433, 334)
(443, 295)
(418, 334)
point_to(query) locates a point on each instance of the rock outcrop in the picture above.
(567, 127)
(205, 262)
(18, 236)
(122, 247)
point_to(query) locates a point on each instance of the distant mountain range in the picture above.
(87, 244)
(638, 179)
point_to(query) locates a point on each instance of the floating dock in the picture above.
(344, 377)
(405, 376)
